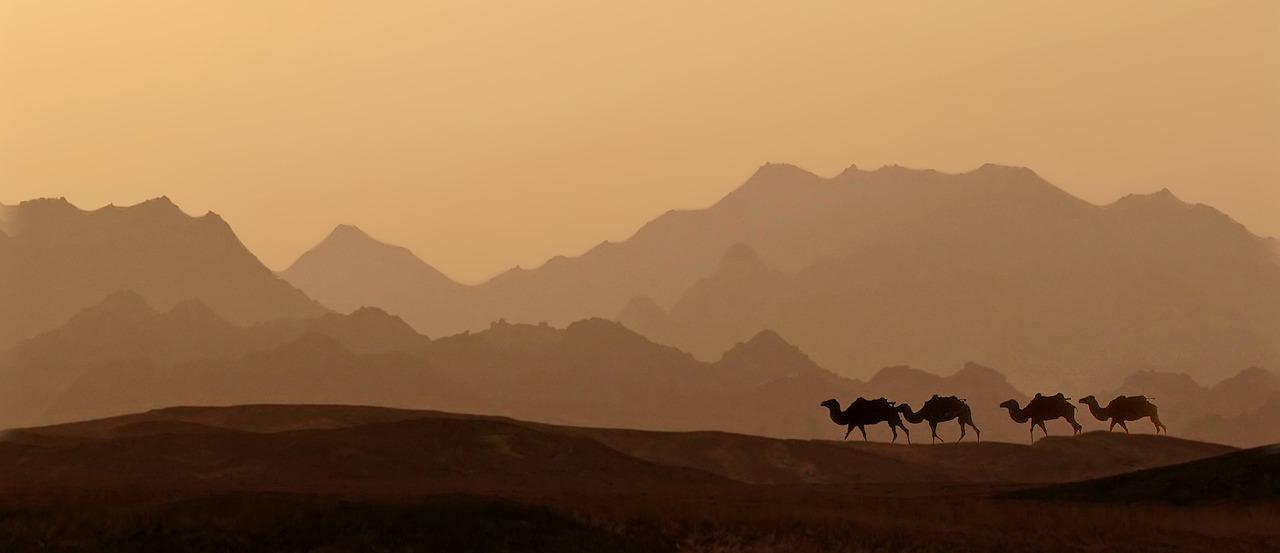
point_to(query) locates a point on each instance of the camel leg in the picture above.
(1159, 425)
(895, 433)
(969, 421)
(1113, 426)
(1124, 426)
(847, 432)
(1042, 428)
(863, 431)
(933, 427)
(905, 431)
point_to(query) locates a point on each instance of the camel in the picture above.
(941, 409)
(863, 412)
(1124, 408)
(1043, 408)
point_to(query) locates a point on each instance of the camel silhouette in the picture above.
(941, 409)
(866, 411)
(1124, 408)
(1043, 408)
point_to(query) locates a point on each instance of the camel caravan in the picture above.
(938, 409)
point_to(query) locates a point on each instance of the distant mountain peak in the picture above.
(345, 233)
(642, 314)
(768, 346)
(124, 301)
(767, 339)
(996, 168)
(193, 309)
(899, 376)
(740, 259)
(849, 172)
(979, 373)
(773, 170)
(1160, 198)
(37, 203)
(770, 182)
(162, 201)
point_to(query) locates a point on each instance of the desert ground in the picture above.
(347, 478)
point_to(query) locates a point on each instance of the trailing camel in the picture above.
(942, 409)
(863, 412)
(1125, 408)
(1043, 408)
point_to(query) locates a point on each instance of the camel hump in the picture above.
(1134, 400)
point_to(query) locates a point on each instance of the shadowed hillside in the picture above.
(425, 451)
(304, 477)
(1250, 475)
(879, 268)
(58, 260)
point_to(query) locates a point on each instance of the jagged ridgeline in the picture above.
(56, 260)
(869, 269)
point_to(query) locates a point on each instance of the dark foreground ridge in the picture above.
(1250, 475)
(353, 478)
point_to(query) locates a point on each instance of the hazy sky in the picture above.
(486, 134)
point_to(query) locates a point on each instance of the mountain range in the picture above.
(124, 356)
(739, 317)
(56, 260)
(888, 267)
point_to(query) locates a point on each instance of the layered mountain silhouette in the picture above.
(350, 270)
(56, 260)
(897, 266)
(1217, 412)
(123, 355)
(1252, 427)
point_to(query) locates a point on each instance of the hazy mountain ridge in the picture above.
(350, 270)
(879, 268)
(123, 353)
(123, 356)
(59, 259)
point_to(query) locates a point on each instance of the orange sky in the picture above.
(489, 134)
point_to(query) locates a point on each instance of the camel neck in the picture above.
(836, 415)
(1018, 415)
(1098, 412)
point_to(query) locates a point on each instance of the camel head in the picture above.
(1011, 405)
(831, 404)
(1089, 400)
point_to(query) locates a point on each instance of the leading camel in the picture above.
(1124, 408)
(1043, 408)
(941, 409)
(863, 412)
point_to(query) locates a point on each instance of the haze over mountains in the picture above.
(780, 293)
(123, 356)
(56, 260)
(878, 268)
